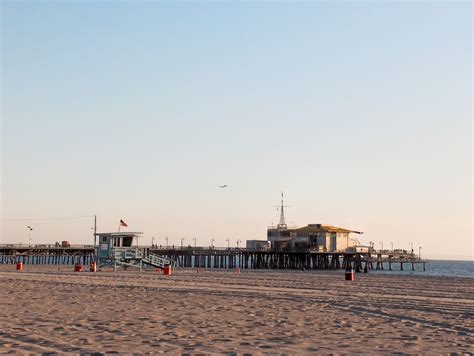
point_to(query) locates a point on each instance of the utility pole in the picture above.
(194, 242)
(212, 243)
(391, 244)
(419, 252)
(182, 240)
(166, 238)
(238, 243)
(228, 243)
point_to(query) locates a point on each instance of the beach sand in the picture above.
(44, 309)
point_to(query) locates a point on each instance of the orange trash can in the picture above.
(93, 267)
(167, 270)
(77, 267)
(350, 275)
(19, 266)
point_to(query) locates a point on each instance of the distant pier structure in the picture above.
(224, 258)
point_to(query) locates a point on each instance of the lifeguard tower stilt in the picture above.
(116, 249)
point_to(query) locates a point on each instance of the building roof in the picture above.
(312, 228)
(124, 233)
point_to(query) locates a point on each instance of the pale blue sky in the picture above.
(360, 112)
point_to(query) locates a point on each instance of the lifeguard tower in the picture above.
(116, 249)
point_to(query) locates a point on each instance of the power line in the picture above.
(55, 218)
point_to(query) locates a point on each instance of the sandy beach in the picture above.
(44, 309)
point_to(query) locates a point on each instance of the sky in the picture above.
(360, 112)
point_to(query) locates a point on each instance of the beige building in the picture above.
(315, 237)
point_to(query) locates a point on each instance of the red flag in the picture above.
(123, 223)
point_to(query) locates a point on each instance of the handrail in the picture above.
(158, 261)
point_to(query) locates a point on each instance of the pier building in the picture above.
(257, 245)
(313, 237)
(325, 238)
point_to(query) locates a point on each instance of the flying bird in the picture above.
(223, 186)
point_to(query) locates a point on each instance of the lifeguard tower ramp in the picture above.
(116, 249)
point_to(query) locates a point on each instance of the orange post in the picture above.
(19, 266)
(93, 267)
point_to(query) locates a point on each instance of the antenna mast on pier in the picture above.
(282, 224)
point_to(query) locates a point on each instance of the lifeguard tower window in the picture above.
(104, 238)
(123, 241)
(127, 241)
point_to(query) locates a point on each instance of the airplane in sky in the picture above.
(223, 186)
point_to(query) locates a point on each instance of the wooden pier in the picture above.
(248, 259)
(47, 254)
(224, 258)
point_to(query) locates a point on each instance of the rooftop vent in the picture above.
(315, 225)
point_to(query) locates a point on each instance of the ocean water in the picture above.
(434, 268)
